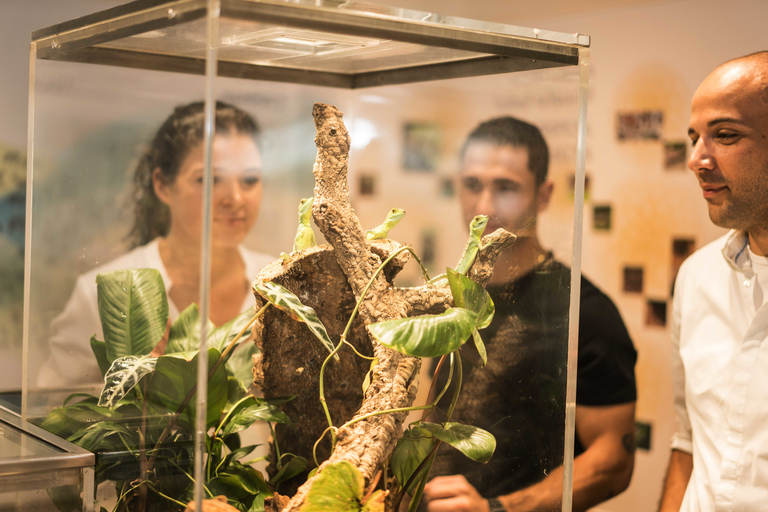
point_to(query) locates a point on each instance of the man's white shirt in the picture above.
(720, 361)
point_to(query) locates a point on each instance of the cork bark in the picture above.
(331, 279)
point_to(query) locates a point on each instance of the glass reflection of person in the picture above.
(520, 395)
(166, 234)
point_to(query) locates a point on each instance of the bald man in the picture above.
(719, 455)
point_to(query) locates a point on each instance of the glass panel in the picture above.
(266, 44)
(409, 150)
(35, 473)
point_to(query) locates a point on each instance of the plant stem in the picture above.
(314, 448)
(434, 383)
(192, 391)
(323, 401)
(219, 427)
(430, 458)
(279, 462)
(417, 473)
(142, 449)
(167, 497)
(379, 413)
(457, 390)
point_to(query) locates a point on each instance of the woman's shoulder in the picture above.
(144, 256)
(254, 260)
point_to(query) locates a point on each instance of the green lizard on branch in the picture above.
(305, 237)
(381, 231)
(474, 245)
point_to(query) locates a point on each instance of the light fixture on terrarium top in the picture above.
(286, 42)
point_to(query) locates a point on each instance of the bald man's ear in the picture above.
(543, 195)
(160, 186)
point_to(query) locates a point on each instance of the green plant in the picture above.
(141, 426)
(142, 423)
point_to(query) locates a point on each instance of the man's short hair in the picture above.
(510, 131)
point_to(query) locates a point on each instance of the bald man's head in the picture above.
(729, 132)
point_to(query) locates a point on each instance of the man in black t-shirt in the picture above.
(519, 396)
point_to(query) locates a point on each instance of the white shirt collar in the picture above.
(736, 250)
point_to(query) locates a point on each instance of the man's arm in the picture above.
(601, 472)
(678, 475)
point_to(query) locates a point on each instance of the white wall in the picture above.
(644, 58)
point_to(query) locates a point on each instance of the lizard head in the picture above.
(305, 205)
(395, 214)
(478, 225)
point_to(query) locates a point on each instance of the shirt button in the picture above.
(747, 284)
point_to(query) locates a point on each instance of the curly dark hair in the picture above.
(181, 132)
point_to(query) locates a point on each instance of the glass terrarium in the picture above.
(180, 326)
(38, 469)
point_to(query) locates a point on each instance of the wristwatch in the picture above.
(496, 505)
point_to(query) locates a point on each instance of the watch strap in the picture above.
(496, 505)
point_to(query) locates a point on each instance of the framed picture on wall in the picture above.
(681, 249)
(656, 313)
(675, 155)
(367, 184)
(643, 125)
(421, 146)
(601, 217)
(633, 279)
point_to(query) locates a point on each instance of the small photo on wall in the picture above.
(421, 146)
(633, 279)
(601, 217)
(367, 185)
(428, 247)
(656, 313)
(675, 155)
(681, 249)
(644, 125)
(447, 188)
(572, 186)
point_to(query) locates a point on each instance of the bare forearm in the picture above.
(596, 479)
(678, 475)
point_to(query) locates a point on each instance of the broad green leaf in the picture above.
(469, 295)
(284, 300)
(185, 331)
(428, 335)
(337, 488)
(174, 377)
(294, 467)
(134, 311)
(99, 349)
(240, 363)
(376, 502)
(106, 436)
(249, 412)
(409, 452)
(122, 376)
(239, 483)
(74, 419)
(220, 337)
(474, 442)
(235, 393)
(66, 498)
(258, 502)
(480, 346)
(237, 454)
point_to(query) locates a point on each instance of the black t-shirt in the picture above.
(519, 396)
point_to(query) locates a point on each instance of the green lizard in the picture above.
(393, 217)
(305, 237)
(474, 245)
